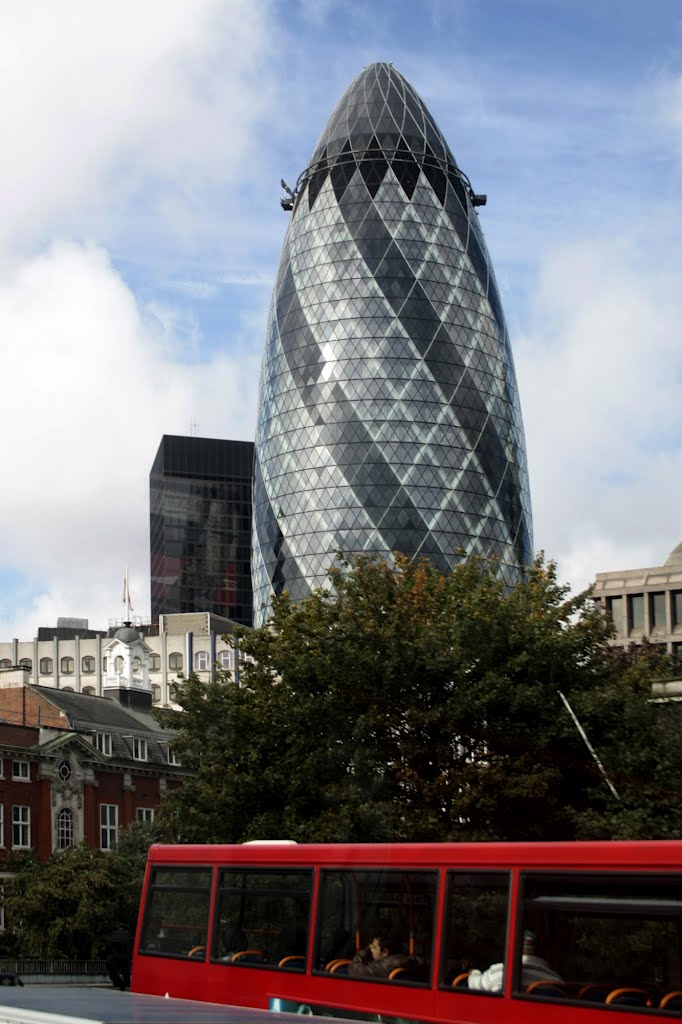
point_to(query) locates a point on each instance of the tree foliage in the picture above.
(67, 906)
(409, 704)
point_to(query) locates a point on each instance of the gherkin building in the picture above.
(389, 417)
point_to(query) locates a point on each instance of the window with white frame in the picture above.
(225, 659)
(21, 827)
(173, 757)
(201, 661)
(64, 829)
(118, 663)
(137, 664)
(108, 826)
(103, 743)
(21, 771)
(145, 814)
(139, 749)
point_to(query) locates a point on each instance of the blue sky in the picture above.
(143, 145)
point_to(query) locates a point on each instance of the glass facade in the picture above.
(389, 418)
(200, 527)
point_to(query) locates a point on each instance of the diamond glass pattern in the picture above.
(389, 418)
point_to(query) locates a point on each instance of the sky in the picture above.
(140, 232)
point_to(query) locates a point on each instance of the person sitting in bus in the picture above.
(233, 940)
(376, 960)
(533, 968)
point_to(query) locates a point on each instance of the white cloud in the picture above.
(88, 392)
(106, 104)
(599, 374)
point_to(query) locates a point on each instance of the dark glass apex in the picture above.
(381, 102)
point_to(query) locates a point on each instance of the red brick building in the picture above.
(76, 767)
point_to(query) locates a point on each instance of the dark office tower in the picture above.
(200, 527)
(389, 417)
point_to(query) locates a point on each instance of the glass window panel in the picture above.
(636, 612)
(475, 923)
(615, 610)
(176, 913)
(358, 906)
(601, 933)
(263, 916)
(657, 612)
(677, 607)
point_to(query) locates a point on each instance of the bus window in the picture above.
(475, 926)
(356, 906)
(263, 917)
(176, 914)
(602, 933)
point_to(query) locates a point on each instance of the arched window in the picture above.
(225, 659)
(90, 690)
(64, 829)
(175, 661)
(26, 663)
(137, 664)
(201, 661)
(154, 662)
(156, 693)
(118, 664)
(88, 664)
(66, 665)
(5, 663)
(46, 666)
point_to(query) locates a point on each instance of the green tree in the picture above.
(406, 703)
(66, 906)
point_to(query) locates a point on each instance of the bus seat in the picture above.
(396, 972)
(249, 956)
(595, 993)
(671, 1000)
(628, 997)
(197, 952)
(293, 962)
(460, 981)
(547, 987)
(339, 966)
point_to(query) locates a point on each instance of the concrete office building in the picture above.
(389, 417)
(200, 527)
(645, 603)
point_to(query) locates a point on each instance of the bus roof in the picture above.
(656, 854)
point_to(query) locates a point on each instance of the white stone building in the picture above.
(73, 657)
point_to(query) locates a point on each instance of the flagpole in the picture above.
(126, 596)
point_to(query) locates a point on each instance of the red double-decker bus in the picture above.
(510, 933)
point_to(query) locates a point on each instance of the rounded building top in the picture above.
(381, 111)
(675, 556)
(127, 635)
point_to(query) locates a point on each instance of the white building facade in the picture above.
(197, 642)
